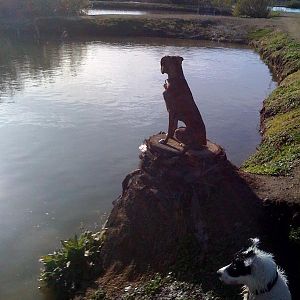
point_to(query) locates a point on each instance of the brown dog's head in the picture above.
(171, 64)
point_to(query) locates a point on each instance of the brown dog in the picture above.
(181, 106)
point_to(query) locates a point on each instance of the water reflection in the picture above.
(71, 120)
(27, 63)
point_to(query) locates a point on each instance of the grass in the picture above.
(279, 151)
(285, 98)
(78, 260)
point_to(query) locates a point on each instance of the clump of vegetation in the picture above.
(78, 260)
(98, 295)
(294, 4)
(153, 286)
(294, 235)
(289, 4)
(31, 8)
(285, 98)
(252, 8)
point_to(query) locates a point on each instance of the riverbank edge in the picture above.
(279, 151)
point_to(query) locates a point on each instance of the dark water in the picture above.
(72, 117)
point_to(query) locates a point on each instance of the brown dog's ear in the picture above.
(180, 59)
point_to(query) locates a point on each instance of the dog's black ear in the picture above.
(254, 242)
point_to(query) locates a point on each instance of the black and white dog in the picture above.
(258, 272)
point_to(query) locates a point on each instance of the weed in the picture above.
(76, 261)
(153, 286)
(98, 295)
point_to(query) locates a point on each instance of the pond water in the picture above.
(286, 9)
(95, 12)
(72, 116)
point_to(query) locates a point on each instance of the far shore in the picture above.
(215, 28)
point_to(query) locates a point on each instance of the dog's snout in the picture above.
(219, 273)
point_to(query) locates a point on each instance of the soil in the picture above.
(290, 23)
(276, 188)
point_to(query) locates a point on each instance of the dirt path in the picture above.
(291, 24)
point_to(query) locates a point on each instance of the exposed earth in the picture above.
(291, 24)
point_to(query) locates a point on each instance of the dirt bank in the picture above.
(216, 28)
(290, 23)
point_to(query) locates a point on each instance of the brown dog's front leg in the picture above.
(173, 122)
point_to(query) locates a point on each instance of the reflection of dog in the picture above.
(181, 106)
(257, 271)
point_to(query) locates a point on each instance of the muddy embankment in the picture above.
(189, 214)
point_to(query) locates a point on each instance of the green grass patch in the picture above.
(285, 97)
(259, 33)
(280, 148)
(78, 260)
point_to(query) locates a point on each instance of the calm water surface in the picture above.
(72, 116)
(286, 9)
